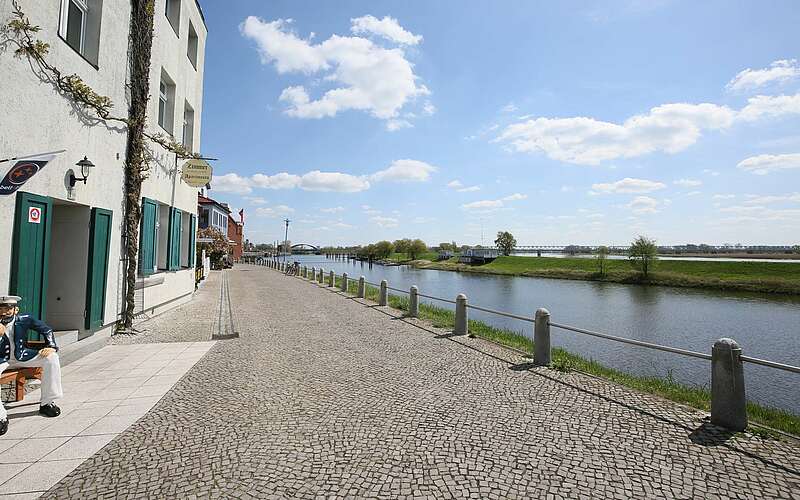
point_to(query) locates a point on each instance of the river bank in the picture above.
(695, 396)
(762, 277)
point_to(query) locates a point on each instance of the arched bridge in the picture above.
(301, 248)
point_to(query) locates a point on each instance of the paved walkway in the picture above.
(104, 393)
(323, 395)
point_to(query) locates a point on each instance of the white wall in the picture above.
(35, 118)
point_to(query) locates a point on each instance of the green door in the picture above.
(30, 252)
(99, 246)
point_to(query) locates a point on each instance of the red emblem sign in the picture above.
(34, 215)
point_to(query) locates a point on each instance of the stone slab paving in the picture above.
(328, 396)
(104, 393)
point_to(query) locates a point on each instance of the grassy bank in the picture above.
(763, 277)
(694, 396)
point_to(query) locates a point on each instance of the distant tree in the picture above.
(401, 246)
(416, 248)
(601, 257)
(505, 242)
(383, 249)
(444, 247)
(643, 254)
(454, 246)
(464, 248)
(571, 250)
(796, 249)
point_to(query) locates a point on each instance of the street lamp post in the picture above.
(286, 240)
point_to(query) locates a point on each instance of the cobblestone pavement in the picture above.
(328, 396)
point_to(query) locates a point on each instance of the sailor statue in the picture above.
(15, 354)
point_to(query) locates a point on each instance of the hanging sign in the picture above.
(34, 215)
(196, 173)
(21, 172)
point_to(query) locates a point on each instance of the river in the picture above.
(766, 326)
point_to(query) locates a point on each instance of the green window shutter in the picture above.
(30, 253)
(174, 244)
(147, 238)
(99, 245)
(192, 240)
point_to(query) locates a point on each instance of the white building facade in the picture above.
(70, 265)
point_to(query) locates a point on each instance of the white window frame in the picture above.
(84, 8)
(163, 102)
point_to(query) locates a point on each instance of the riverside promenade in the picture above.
(311, 394)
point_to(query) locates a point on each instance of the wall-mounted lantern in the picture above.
(86, 167)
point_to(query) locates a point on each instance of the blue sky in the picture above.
(562, 122)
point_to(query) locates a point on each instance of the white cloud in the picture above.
(490, 205)
(585, 141)
(388, 28)
(724, 196)
(765, 164)
(669, 128)
(688, 182)
(781, 71)
(282, 180)
(765, 106)
(272, 212)
(483, 205)
(428, 108)
(405, 171)
(694, 193)
(458, 186)
(766, 200)
(371, 78)
(231, 183)
(333, 181)
(342, 225)
(332, 210)
(760, 214)
(642, 205)
(509, 108)
(710, 172)
(256, 200)
(395, 124)
(627, 185)
(385, 222)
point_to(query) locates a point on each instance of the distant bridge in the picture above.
(304, 248)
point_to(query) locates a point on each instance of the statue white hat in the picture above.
(11, 300)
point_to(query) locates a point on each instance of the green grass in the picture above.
(402, 257)
(665, 387)
(765, 277)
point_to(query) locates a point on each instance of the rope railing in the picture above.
(501, 313)
(639, 343)
(728, 403)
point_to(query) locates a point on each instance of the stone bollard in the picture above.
(462, 318)
(313, 274)
(383, 298)
(332, 278)
(541, 338)
(413, 302)
(728, 403)
(321, 275)
(344, 282)
(362, 288)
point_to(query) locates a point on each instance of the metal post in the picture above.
(362, 288)
(462, 319)
(321, 275)
(344, 282)
(728, 403)
(383, 299)
(413, 302)
(332, 277)
(541, 338)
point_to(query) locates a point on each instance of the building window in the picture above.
(80, 27)
(173, 13)
(188, 127)
(193, 47)
(166, 103)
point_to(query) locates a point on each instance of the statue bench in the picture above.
(19, 376)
